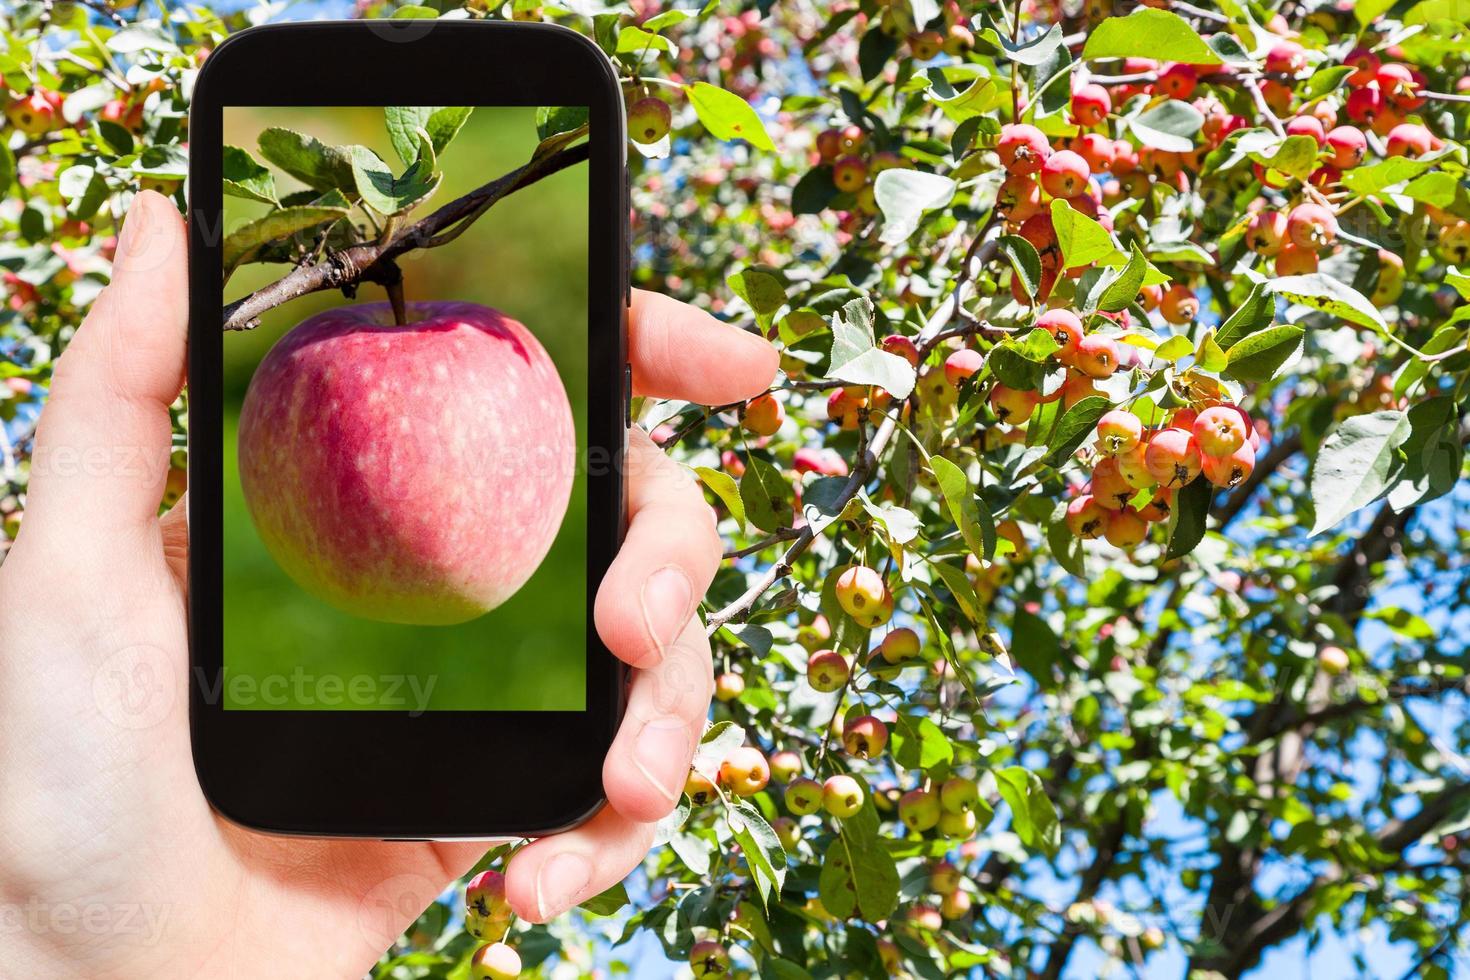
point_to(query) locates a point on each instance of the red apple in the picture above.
(413, 474)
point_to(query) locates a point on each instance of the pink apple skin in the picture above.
(413, 474)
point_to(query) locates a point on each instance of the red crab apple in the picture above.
(827, 671)
(745, 771)
(412, 474)
(785, 766)
(495, 962)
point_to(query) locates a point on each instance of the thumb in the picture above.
(102, 446)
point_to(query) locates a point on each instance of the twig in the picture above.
(1254, 89)
(784, 534)
(867, 459)
(367, 262)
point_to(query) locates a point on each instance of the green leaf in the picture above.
(7, 167)
(1024, 260)
(766, 495)
(1081, 239)
(1450, 12)
(556, 120)
(918, 743)
(315, 164)
(1260, 356)
(960, 587)
(1378, 177)
(442, 123)
(761, 288)
(669, 18)
(1034, 645)
(858, 876)
(858, 360)
(1322, 292)
(760, 847)
(1065, 546)
(635, 40)
(1353, 465)
(246, 178)
(1075, 426)
(1189, 516)
(976, 99)
(904, 195)
(717, 742)
(1174, 348)
(390, 195)
(608, 902)
(1124, 289)
(1033, 817)
(1168, 126)
(1256, 312)
(1367, 11)
(83, 190)
(1149, 33)
(723, 485)
(965, 508)
(1295, 156)
(242, 244)
(727, 116)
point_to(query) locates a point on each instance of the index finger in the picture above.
(678, 351)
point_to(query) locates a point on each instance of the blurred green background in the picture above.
(527, 256)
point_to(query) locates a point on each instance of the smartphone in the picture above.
(408, 403)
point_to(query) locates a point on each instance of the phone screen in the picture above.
(404, 490)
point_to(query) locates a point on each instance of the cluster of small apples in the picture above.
(950, 36)
(35, 113)
(487, 918)
(950, 807)
(849, 152)
(746, 771)
(1219, 442)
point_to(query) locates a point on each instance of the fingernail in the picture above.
(134, 238)
(660, 740)
(559, 882)
(666, 598)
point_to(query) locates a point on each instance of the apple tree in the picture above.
(1096, 589)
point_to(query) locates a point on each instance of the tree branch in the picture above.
(366, 262)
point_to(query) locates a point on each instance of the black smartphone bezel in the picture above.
(390, 774)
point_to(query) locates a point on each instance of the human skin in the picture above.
(100, 807)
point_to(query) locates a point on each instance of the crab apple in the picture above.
(1097, 356)
(1220, 430)
(1125, 528)
(812, 635)
(1266, 233)
(1180, 305)
(1311, 225)
(958, 825)
(944, 877)
(484, 895)
(963, 363)
(826, 462)
(764, 415)
(699, 788)
(1085, 516)
(1118, 432)
(1022, 148)
(1010, 405)
(1019, 197)
(708, 958)
(902, 346)
(788, 831)
(1365, 64)
(852, 137)
(785, 765)
(1065, 174)
(1091, 104)
(487, 930)
(496, 961)
(1159, 508)
(1295, 260)
(849, 174)
(1364, 105)
(863, 595)
(827, 671)
(955, 905)
(128, 115)
(1332, 659)
(1109, 488)
(745, 771)
(1132, 467)
(1453, 244)
(926, 45)
(1065, 328)
(390, 510)
(1226, 471)
(649, 120)
(804, 796)
(1096, 150)
(729, 686)
(919, 810)
(1286, 58)
(958, 794)
(1177, 81)
(1307, 126)
(843, 406)
(1172, 457)
(1409, 140)
(864, 737)
(900, 646)
(842, 796)
(34, 113)
(829, 144)
(1348, 145)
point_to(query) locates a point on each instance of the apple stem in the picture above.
(394, 287)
